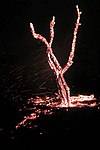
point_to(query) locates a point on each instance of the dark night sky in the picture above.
(22, 59)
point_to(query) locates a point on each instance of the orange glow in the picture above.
(63, 97)
(47, 105)
(64, 90)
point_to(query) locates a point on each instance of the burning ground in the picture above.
(36, 122)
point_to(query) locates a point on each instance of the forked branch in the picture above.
(64, 90)
(52, 60)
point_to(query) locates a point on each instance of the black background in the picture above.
(23, 62)
(20, 51)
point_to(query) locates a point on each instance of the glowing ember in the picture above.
(48, 105)
(76, 101)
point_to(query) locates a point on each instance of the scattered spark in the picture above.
(98, 107)
(1, 129)
(41, 133)
(47, 105)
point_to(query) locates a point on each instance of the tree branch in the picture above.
(70, 62)
(52, 60)
(52, 23)
(38, 36)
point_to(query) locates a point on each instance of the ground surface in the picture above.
(60, 124)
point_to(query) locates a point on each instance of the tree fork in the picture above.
(63, 90)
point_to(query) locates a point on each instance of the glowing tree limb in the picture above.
(63, 91)
(70, 62)
(53, 62)
(49, 49)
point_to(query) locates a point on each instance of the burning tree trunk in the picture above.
(63, 90)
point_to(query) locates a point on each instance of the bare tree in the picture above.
(63, 88)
